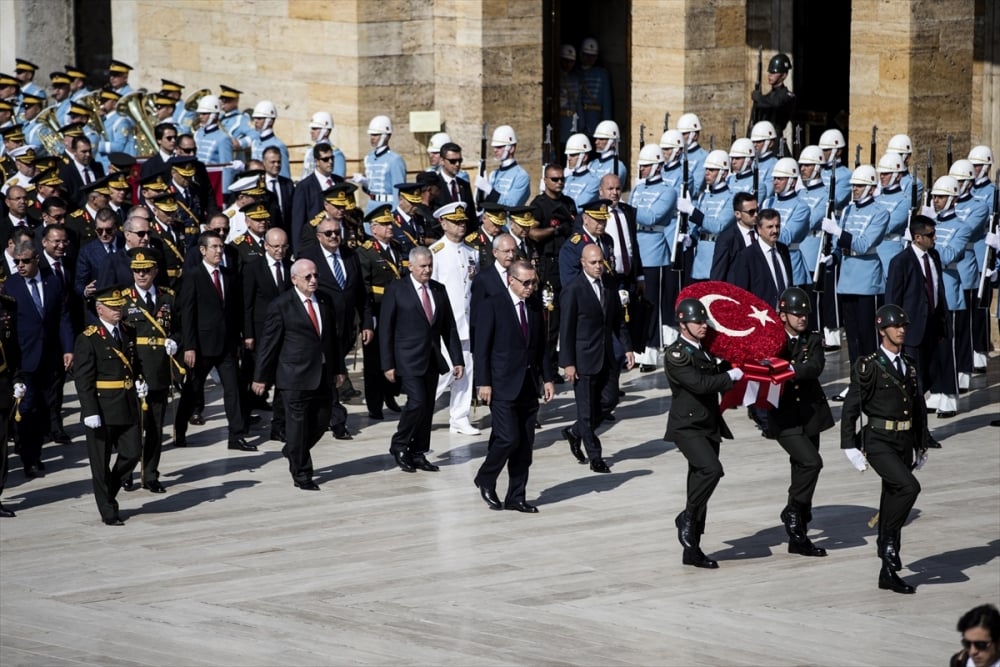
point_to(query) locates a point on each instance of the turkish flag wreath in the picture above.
(747, 332)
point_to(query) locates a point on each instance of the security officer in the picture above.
(509, 183)
(382, 261)
(149, 312)
(695, 423)
(384, 168)
(777, 106)
(801, 415)
(492, 223)
(107, 373)
(582, 183)
(12, 388)
(884, 387)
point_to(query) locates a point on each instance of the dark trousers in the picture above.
(107, 479)
(308, 413)
(54, 398)
(704, 472)
(377, 387)
(152, 435)
(803, 455)
(413, 435)
(963, 335)
(661, 291)
(980, 322)
(587, 391)
(892, 458)
(857, 312)
(34, 410)
(826, 306)
(511, 442)
(231, 394)
(941, 370)
(6, 407)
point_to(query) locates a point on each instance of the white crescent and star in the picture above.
(709, 299)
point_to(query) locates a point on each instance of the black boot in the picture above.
(890, 581)
(798, 541)
(888, 551)
(692, 532)
(685, 531)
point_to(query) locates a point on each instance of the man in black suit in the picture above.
(80, 170)
(510, 360)
(218, 223)
(211, 311)
(307, 199)
(263, 281)
(416, 320)
(299, 354)
(491, 279)
(591, 315)
(166, 142)
(765, 268)
(454, 188)
(280, 189)
(736, 238)
(94, 256)
(203, 186)
(53, 259)
(628, 263)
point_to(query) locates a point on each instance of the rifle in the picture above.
(929, 177)
(666, 121)
(948, 154)
(482, 164)
(857, 156)
(914, 205)
(990, 260)
(711, 142)
(642, 135)
(797, 141)
(614, 165)
(732, 136)
(547, 146)
(677, 248)
(756, 87)
(826, 243)
(756, 177)
(874, 148)
(782, 148)
(572, 127)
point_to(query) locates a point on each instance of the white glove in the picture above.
(735, 374)
(907, 236)
(141, 389)
(857, 459)
(826, 259)
(547, 297)
(483, 185)
(993, 240)
(623, 295)
(831, 227)
(93, 421)
(19, 390)
(929, 212)
(170, 345)
(921, 460)
(360, 180)
(685, 240)
(990, 273)
(237, 165)
(684, 205)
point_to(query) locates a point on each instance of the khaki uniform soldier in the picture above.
(336, 201)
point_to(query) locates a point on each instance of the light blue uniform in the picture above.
(265, 140)
(765, 182)
(384, 168)
(713, 215)
(62, 111)
(582, 186)
(953, 241)
(984, 193)
(794, 230)
(121, 134)
(81, 92)
(815, 198)
(896, 201)
(183, 119)
(842, 189)
(673, 177)
(864, 228)
(595, 97)
(32, 88)
(655, 206)
(512, 184)
(239, 127)
(124, 90)
(974, 215)
(214, 147)
(33, 137)
(696, 167)
(605, 165)
(741, 182)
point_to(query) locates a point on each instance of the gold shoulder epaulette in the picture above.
(367, 245)
(78, 213)
(229, 212)
(90, 331)
(318, 219)
(471, 237)
(240, 239)
(575, 239)
(437, 247)
(166, 290)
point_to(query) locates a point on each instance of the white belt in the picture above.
(893, 237)
(382, 198)
(867, 253)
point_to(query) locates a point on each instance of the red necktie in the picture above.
(454, 190)
(218, 285)
(928, 281)
(426, 299)
(626, 264)
(312, 315)
(524, 320)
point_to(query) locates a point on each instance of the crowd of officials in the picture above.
(123, 274)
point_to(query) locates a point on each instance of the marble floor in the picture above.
(235, 566)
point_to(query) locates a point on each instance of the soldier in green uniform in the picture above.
(12, 389)
(884, 387)
(336, 199)
(695, 423)
(382, 262)
(801, 415)
(149, 312)
(492, 223)
(107, 372)
(164, 226)
(250, 244)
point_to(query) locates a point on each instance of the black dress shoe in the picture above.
(6, 513)
(180, 440)
(932, 443)
(805, 548)
(114, 521)
(646, 368)
(521, 506)
(607, 416)
(128, 484)
(403, 461)
(376, 415)
(31, 472)
(574, 444)
(350, 393)
(836, 397)
(41, 466)
(695, 556)
(254, 419)
(685, 533)
(947, 414)
(888, 580)
(154, 487)
(489, 495)
(420, 462)
(196, 419)
(342, 433)
(242, 445)
(60, 436)
(391, 403)
(598, 465)
(307, 485)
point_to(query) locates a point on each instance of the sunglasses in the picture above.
(310, 276)
(141, 234)
(753, 211)
(171, 138)
(557, 179)
(526, 283)
(141, 271)
(324, 159)
(979, 645)
(930, 236)
(101, 231)
(331, 232)
(187, 151)
(455, 161)
(221, 231)
(25, 262)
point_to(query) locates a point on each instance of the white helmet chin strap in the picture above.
(505, 155)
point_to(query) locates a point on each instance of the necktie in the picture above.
(626, 264)
(425, 298)
(277, 275)
(57, 267)
(150, 303)
(338, 271)
(524, 249)
(329, 182)
(524, 320)
(779, 277)
(108, 248)
(752, 236)
(36, 296)
(454, 190)
(276, 191)
(312, 315)
(899, 366)
(928, 281)
(117, 338)
(87, 178)
(218, 284)
(600, 292)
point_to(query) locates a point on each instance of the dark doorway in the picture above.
(92, 31)
(821, 67)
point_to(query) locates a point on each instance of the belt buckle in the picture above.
(127, 383)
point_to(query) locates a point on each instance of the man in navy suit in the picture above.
(94, 256)
(511, 356)
(765, 268)
(46, 340)
(491, 280)
(416, 320)
(299, 354)
(307, 198)
(737, 237)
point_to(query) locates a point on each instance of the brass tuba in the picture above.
(134, 107)
(93, 102)
(48, 133)
(191, 105)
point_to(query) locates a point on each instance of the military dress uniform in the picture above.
(794, 230)
(215, 147)
(655, 204)
(582, 185)
(248, 247)
(713, 215)
(384, 169)
(511, 184)
(861, 285)
(896, 203)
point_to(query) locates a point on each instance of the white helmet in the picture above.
(607, 129)
(891, 163)
(901, 144)
(811, 154)
(321, 120)
(962, 170)
(742, 147)
(567, 52)
(589, 46)
(864, 175)
(832, 140)
(945, 186)
(209, 104)
(717, 159)
(380, 125)
(503, 136)
(786, 167)
(763, 131)
(650, 154)
(671, 139)
(578, 143)
(981, 155)
(688, 123)
(265, 109)
(437, 141)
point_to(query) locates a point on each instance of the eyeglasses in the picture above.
(526, 283)
(751, 212)
(324, 159)
(980, 645)
(455, 161)
(141, 271)
(142, 233)
(170, 138)
(930, 235)
(331, 232)
(187, 151)
(283, 246)
(101, 231)
(25, 262)
(58, 218)
(221, 231)
(310, 276)
(556, 179)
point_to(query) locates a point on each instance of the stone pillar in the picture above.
(41, 34)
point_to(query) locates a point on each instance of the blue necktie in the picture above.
(36, 296)
(338, 272)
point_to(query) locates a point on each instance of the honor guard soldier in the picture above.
(582, 183)
(382, 262)
(832, 143)
(801, 415)
(606, 141)
(24, 72)
(437, 140)
(234, 122)
(778, 105)
(250, 244)
(896, 202)
(12, 387)
(248, 188)
(794, 215)
(672, 146)
(690, 128)
(884, 388)
(108, 375)
(983, 188)
(713, 213)
(509, 183)
(764, 138)
(163, 226)
(741, 156)
(264, 115)
(570, 110)
(214, 146)
(409, 221)
(320, 128)
(149, 312)
(493, 222)
(384, 168)
(901, 144)
(695, 423)
(595, 86)
(522, 221)
(336, 200)
(118, 77)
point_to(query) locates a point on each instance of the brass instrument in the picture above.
(191, 105)
(93, 102)
(134, 107)
(49, 135)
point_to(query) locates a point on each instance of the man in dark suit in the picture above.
(416, 320)
(46, 340)
(211, 312)
(765, 268)
(307, 199)
(203, 186)
(736, 238)
(80, 170)
(219, 224)
(263, 281)
(166, 141)
(591, 315)
(54, 259)
(280, 189)
(453, 187)
(12, 385)
(94, 256)
(299, 354)
(491, 279)
(511, 358)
